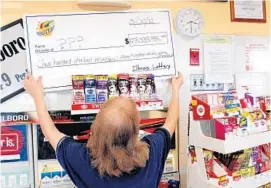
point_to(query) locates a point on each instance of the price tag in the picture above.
(13, 60)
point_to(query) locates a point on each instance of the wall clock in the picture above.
(189, 23)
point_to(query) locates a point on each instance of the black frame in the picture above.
(3, 28)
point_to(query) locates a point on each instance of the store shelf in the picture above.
(198, 139)
(254, 181)
(94, 108)
(198, 177)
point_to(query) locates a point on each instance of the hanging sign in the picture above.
(13, 60)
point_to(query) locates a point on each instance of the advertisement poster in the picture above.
(52, 175)
(79, 131)
(13, 60)
(18, 176)
(13, 145)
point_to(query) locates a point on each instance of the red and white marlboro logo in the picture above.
(11, 143)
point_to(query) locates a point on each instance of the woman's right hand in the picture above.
(34, 87)
(177, 82)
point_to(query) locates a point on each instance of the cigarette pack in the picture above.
(101, 88)
(208, 159)
(123, 84)
(141, 86)
(78, 89)
(133, 87)
(90, 88)
(150, 87)
(113, 86)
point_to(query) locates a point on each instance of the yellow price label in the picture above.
(102, 77)
(78, 77)
(90, 76)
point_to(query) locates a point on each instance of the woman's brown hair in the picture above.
(114, 144)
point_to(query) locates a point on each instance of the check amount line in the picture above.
(83, 49)
(144, 23)
(68, 65)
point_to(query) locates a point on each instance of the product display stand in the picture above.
(197, 175)
(197, 138)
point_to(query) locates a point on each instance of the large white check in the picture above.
(61, 45)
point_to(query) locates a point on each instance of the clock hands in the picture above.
(193, 21)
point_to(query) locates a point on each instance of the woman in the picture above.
(113, 156)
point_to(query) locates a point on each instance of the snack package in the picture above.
(268, 121)
(267, 103)
(133, 87)
(236, 162)
(243, 126)
(266, 150)
(250, 98)
(113, 86)
(141, 86)
(260, 103)
(123, 84)
(101, 88)
(90, 88)
(150, 87)
(246, 158)
(208, 158)
(78, 89)
(258, 122)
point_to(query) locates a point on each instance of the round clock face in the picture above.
(189, 22)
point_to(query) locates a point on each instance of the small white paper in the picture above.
(218, 59)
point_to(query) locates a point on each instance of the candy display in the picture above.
(247, 162)
(230, 116)
(91, 89)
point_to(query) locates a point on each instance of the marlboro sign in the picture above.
(13, 143)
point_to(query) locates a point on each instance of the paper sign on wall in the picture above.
(61, 45)
(13, 60)
(218, 59)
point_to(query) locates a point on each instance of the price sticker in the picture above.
(13, 60)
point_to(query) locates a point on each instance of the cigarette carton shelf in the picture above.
(197, 138)
(197, 176)
(94, 108)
